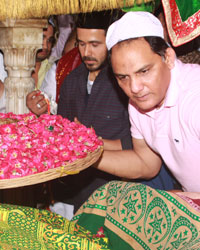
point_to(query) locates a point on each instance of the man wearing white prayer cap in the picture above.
(164, 105)
(133, 25)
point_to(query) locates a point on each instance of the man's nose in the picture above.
(136, 85)
(87, 50)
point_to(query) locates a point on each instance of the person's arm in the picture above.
(49, 83)
(36, 103)
(112, 144)
(120, 144)
(141, 162)
(65, 23)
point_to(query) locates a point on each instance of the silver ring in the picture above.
(38, 105)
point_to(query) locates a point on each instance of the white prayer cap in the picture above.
(133, 24)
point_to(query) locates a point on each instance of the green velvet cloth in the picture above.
(187, 8)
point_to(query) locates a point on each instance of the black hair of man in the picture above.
(98, 19)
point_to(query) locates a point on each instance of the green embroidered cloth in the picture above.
(182, 17)
(28, 228)
(183, 20)
(137, 217)
(117, 216)
(142, 5)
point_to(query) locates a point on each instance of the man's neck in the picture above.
(93, 75)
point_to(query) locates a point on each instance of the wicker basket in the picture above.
(69, 169)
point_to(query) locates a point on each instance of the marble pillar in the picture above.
(19, 42)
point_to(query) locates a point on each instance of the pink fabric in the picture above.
(195, 203)
(173, 131)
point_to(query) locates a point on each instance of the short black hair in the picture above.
(98, 19)
(157, 44)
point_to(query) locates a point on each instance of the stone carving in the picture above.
(19, 41)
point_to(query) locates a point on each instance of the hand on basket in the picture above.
(77, 121)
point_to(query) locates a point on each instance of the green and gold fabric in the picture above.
(117, 216)
(135, 216)
(28, 228)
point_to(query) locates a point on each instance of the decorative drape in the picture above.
(24, 9)
(182, 19)
(182, 16)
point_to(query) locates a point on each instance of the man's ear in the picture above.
(170, 57)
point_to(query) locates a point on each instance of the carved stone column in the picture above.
(19, 41)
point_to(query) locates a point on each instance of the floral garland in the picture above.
(33, 145)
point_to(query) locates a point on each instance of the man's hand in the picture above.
(76, 120)
(36, 103)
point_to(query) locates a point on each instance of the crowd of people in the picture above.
(124, 79)
(91, 95)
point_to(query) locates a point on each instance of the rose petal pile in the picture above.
(33, 145)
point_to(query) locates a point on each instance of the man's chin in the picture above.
(146, 110)
(40, 59)
(93, 67)
(143, 108)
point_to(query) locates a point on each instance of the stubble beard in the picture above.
(93, 68)
(43, 57)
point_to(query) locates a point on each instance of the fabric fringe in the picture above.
(24, 9)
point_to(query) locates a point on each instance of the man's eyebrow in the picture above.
(92, 41)
(118, 74)
(137, 71)
(143, 68)
(78, 39)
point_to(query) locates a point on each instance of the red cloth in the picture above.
(182, 19)
(196, 201)
(65, 65)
